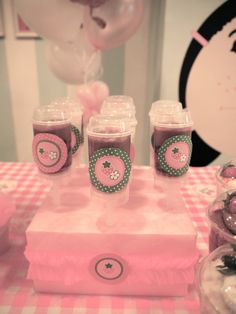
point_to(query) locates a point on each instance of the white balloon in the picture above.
(72, 65)
(57, 20)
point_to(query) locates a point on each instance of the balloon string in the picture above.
(91, 59)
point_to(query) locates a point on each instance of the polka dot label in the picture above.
(109, 169)
(174, 155)
(75, 139)
(49, 152)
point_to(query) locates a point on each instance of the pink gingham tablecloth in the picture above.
(17, 295)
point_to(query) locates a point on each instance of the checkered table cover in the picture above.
(17, 295)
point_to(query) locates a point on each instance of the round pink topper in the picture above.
(174, 154)
(49, 152)
(177, 155)
(110, 170)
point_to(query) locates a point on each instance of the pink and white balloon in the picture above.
(113, 23)
(56, 20)
(91, 96)
(71, 65)
(77, 29)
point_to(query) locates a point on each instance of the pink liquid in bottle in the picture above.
(109, 141)
(95, 143)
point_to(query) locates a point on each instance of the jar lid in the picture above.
(216, 281)
(226, 175)
(222, 215)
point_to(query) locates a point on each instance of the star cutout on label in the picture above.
(106, 164)
(108, 265)
(41, 150)
(175, 150)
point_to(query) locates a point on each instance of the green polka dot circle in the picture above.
(174, 155)
(109, 169)
(75, 139)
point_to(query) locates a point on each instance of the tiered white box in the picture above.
(138, 249)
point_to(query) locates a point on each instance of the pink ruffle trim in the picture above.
(72, 269)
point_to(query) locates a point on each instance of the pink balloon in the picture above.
(91, 96)
(71, 64)
(100, 90)
(113, 23)
(86, 96)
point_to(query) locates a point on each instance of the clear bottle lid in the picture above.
(69, 104)
(108, 126)
(165, 107)
(50, 115)
(125, 114)
(118, 103)
(216, 281)
(167, 113)
(178, 119)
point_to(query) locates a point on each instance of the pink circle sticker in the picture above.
(49, 152)
(110, 170)
(177, 155)
(174, 154)
(109, 268)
